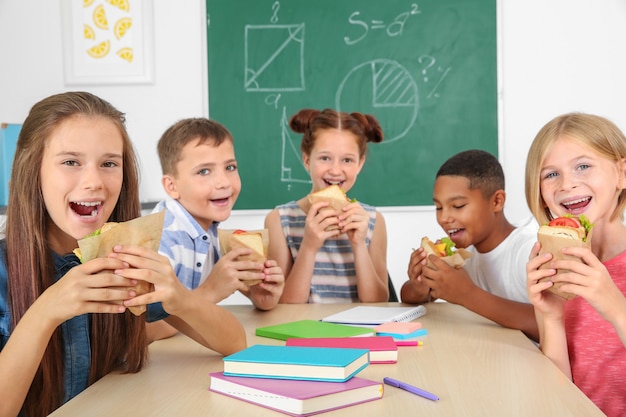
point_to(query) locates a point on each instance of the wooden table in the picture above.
(476, 367)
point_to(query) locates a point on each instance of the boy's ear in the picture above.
(169, 185)
(498, 199)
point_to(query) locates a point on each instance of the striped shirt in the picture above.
(192, 251)
(334, 274)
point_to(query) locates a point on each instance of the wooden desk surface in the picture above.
(475, 367)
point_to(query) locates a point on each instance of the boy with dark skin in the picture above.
(469, 198)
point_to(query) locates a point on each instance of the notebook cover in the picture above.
(275, 361)
(398, 327)
(398, 336)
(382, 349)
(279, 395)
(372, 315)
(312, 328)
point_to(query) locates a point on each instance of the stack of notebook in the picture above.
(314, 372)
(297, 380)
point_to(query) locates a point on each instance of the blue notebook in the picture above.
(296, 362)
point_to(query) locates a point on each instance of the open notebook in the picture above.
(373, 315)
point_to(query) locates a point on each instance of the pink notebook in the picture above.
(398, 327)
(297, 398)
(382, 349)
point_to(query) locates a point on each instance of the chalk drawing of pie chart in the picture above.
(385, 89)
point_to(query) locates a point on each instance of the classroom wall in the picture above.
(554, 57)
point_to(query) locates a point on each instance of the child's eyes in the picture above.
(459, 206)
(204, 171)
(549, 175)
(70, 163)
(110, 164)
(231, 168)
(582, 167)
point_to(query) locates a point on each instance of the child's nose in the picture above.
(92, 180)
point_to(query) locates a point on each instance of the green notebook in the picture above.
(312, 328)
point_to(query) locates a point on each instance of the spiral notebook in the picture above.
(373, 315)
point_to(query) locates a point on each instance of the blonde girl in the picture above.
(577, 165)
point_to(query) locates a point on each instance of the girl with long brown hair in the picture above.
(63, 324)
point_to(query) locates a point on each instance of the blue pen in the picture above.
(410, 388)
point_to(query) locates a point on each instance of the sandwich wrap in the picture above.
(143, 231)
(554, 237)
(333, 195)
(256, 240)
(453, 257)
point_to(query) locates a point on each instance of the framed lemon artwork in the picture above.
(108, 41)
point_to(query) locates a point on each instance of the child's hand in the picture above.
(266, 295)
(227, 274)
(451, 284)
(317, 220)
(354, 221)
(416, 290)
(545, 302)
(416, 264)
(591, 280)
(147, 265)
(92, 287)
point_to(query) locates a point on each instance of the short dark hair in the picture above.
(482, 169)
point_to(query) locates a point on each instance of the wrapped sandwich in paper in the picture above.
(563, 232)
(445, 250)
(143, 231)
(256, 240)
(333, 195)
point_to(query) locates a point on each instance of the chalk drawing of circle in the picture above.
(384, 88)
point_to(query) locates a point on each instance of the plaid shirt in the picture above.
(192, 250)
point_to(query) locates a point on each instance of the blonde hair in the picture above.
(596, 132)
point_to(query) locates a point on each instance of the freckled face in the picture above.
(334, 159)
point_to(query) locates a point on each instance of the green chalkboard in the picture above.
(426, 70)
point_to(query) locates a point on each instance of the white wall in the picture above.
(555, 56)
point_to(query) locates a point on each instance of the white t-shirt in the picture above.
(502, 271)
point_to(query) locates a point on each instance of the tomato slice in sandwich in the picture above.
(565, 221)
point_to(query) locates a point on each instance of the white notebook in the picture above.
(373, 315)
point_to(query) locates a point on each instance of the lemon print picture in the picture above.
(107, 30)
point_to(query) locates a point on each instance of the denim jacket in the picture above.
(76, 335)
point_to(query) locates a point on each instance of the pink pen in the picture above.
(412, 389)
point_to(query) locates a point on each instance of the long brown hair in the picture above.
(118, 341)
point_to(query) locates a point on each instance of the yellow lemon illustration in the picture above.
(89, 32)
(121, 26)
(122, 4)
(126, 54)
(100, 50)
(87, 3)
(100, 17)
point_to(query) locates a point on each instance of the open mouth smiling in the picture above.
(86, 208)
